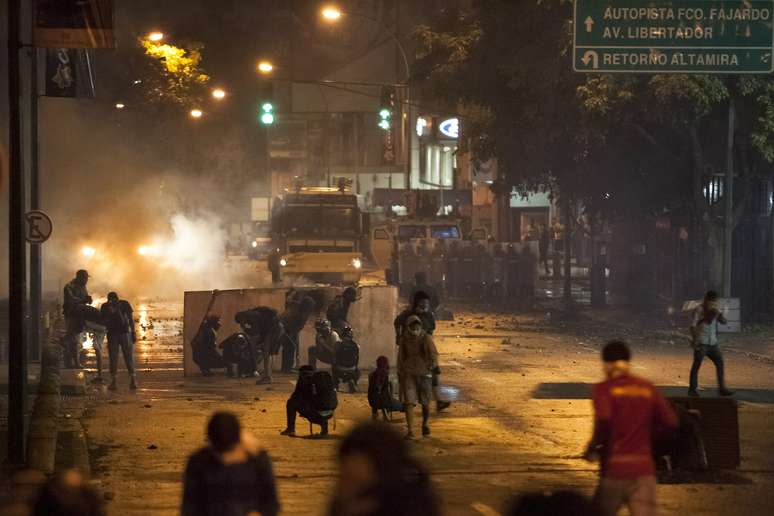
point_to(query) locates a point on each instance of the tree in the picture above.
(627, 147)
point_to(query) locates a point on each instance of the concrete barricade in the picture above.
(371, 318)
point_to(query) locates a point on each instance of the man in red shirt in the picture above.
(627, 411)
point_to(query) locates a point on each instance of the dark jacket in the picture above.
(118, 317)
(431, 292)
(74, 297)
(338, 311)
(215, 489)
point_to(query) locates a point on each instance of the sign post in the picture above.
(673, 36)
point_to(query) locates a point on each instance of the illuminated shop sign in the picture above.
(450, 127)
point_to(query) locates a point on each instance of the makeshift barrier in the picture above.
(371, 317)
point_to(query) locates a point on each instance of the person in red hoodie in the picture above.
(627, 412)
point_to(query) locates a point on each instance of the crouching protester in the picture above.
(204, 346)
(417, 359)
(628, 412)
(325, 342)
(346, 360)
(380, 396)
(379, 477)
(314, 399)
(230, 476)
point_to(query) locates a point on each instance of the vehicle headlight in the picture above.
(356, 263)
(283, 262)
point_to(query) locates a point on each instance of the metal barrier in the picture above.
(462, 269)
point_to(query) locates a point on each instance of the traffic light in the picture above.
(266, 113)
(386, 107)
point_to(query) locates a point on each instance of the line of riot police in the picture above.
(469, 270)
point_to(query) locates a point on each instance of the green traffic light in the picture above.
(385, 124)
(384, 113)
(267, 107)
(267, 119)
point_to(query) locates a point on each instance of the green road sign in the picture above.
(674, 36)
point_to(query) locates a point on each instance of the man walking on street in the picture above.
(75, 300)
(627, 412)
(117, 314)
(704, 330)
(417, 360)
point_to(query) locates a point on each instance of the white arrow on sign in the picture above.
(589, 23)
(591, 57)
(765, 57)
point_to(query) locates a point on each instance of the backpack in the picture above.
(323, 391)
(347, 354)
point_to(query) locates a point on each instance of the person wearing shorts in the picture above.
(417, 360)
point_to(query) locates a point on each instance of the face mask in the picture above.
(416, 331)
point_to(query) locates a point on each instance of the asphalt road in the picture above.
(520, 418)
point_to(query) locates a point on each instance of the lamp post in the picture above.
(333, 14)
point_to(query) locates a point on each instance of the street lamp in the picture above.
(120, 105)
(196, 113)
(219, 93)
(155, 36)
(265, 67)
(331, 13)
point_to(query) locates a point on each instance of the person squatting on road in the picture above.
(76, 299)
(231, 476)
(417, 359)
(628, 411)
(325, 342)
(294, 318)
(204, 346)
(314, 399)
(380, 395)
(264, 330)
(421, 307)
(704, 332)
(378, 476)
(121, 336)
(346, 360)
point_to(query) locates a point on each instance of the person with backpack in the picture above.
(380, 396)
(117, 316)
(346, 360)
(417, 360)
(628, 412)
(231, 476)
(314, 399)
(704, 330)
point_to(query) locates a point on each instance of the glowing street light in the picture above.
(265, 67)
(331, 13)
(120, 105)
(196, 113)
(219, 93)
(155, 36)
(88, 251)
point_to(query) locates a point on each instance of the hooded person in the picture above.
(380, 395)
(417, 359)
(421, 307)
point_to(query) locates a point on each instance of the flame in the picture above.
(88, 341)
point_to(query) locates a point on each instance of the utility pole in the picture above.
(17, 274)
(728, 195)
(36, 250)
